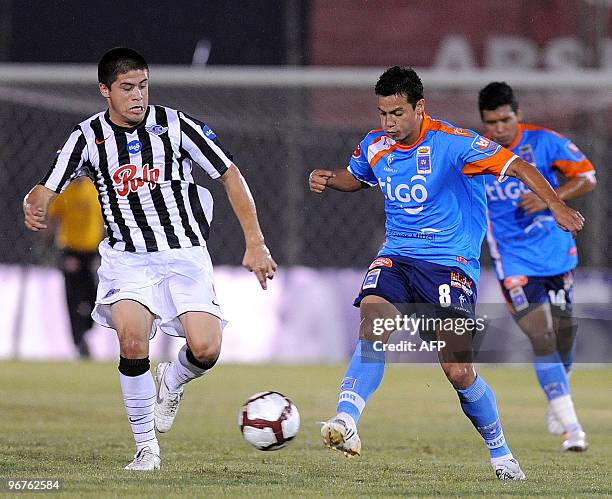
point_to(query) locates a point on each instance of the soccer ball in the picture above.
(268, 420)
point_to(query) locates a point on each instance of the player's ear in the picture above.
(104, 90)
(420, 106)
(519, 115)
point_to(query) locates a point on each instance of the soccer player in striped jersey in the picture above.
(430, 173)
(155, 269)
(534, 259)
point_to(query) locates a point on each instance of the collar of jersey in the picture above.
(425, 127)
(125, 129)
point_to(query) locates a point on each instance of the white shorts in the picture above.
(169, 283)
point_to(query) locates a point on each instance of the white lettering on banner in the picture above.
(503, 52)
(456, 52)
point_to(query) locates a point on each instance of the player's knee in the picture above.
(204, 356)
(460, 375)
(132, 343)
(544, 342)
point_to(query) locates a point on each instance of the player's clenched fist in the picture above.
(319, 179)
(568, 219)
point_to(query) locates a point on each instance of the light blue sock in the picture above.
(362, 378)
(551, 375)
(479, 405)
(568, 357)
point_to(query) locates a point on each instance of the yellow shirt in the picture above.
(77, 211)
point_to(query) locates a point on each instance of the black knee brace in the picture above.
(201, 365)
(133, 367)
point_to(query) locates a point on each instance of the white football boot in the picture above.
(552, 423)
(576, 442)
(167, 402)
(338, 434)
(507, 469)
(144, 460)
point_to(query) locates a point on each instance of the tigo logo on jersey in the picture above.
(406, 193)
(134, 147)
(423, 159)
(485, 146)
(208, 132)
(156, 129)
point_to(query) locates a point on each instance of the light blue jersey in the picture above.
(434, 201)
(533, 245)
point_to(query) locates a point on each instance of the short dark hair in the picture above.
(496, 94)
(117, 61)
(400, 81)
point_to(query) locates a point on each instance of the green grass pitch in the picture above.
(66, 420)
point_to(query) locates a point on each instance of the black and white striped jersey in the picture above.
(144, 177)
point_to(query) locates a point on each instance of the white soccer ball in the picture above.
(269, 420)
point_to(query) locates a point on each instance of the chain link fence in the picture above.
(277, 134)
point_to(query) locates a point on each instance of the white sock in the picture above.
(139, 399)
(181, 371)
(563, 409)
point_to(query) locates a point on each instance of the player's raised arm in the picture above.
(567, 218)
(35, 205)
(257, 257)
(339, 180)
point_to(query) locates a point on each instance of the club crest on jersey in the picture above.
(357, 151)
(208, 132)
(423, 159)
(526, 153)
(134, 147)
(126, 181)
(156, 129)
(485, 146)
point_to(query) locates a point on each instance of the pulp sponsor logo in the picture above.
(381, 262)
(126, 181)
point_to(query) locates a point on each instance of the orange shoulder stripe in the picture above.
(493, 164)
(573, 168)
